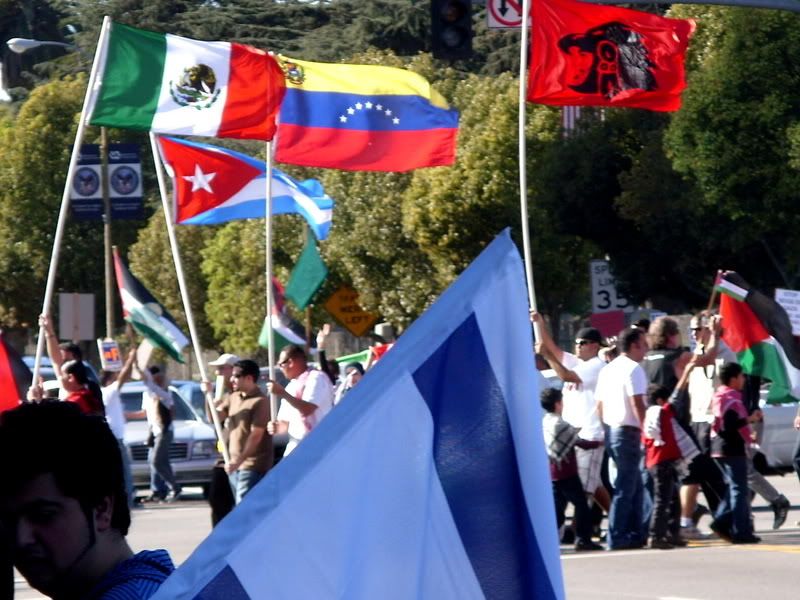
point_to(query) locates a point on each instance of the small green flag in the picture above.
(307, 276)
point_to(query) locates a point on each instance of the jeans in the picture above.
(242, 481)
(733, 512)
(665, 523)
(161, 474)
(571, 490)
(796, 457)
(625, 516)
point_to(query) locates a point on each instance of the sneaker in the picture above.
(781, 508)
(725, 534)
(691, 533)
(587, 546)
(678, 541)
(152, 499)
(174, 494)
(661, 544)
(746, 539)
(698, 512)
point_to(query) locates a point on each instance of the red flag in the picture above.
(588, 54)
(15, 376)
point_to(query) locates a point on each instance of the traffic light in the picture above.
(451, 29)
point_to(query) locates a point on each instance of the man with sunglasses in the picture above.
(306, 399)
(579, 372)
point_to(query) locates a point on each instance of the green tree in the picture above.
(733, 138)
(36, 150)
(151, 261)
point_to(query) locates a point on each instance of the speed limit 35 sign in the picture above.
(604, 289)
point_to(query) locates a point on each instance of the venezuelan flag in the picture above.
(362, 118)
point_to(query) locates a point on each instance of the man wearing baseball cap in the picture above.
(579, 372)
(220, 495)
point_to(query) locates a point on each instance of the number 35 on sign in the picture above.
(604, 289)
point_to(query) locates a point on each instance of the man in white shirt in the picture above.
(111, 382)
(580, 372)
(620, 392)
(307, 398)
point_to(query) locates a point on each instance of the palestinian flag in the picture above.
(754, 329)
(285, 330)
(146, 315)
(15, 376)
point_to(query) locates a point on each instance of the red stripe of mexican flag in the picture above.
(169, 84)
(756, 350)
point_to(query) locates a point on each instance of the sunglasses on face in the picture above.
(583, 342)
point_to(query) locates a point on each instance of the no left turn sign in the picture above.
(504, 14)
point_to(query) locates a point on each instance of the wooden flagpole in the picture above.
(88, 101)
(187, 307)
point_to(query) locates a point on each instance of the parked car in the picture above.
(193, 452)
(191, 392)
(778, 437)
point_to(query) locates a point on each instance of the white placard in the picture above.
(790, 301)
(76, 316)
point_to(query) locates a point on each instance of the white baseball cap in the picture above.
(225, 359)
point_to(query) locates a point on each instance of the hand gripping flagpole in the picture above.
(187, 307)
(273, 401)
(523, 175)
(99, 60)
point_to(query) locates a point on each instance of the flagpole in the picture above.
(64, 211)
(273, 400)
(187, 307)
(523, 174)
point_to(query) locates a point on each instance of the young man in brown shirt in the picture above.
(246, 411)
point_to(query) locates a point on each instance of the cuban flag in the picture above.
(429, 480)
(215, 185)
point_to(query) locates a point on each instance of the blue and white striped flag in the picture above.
(429, 480)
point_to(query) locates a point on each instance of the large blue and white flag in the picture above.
(429, 480)
(215, 185)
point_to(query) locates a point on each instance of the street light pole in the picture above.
(19, 46)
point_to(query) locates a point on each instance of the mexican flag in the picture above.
(168, 84)
(146, 314)
(756, 350)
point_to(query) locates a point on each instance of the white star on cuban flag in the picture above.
(200, 180)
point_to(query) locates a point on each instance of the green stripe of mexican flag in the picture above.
(169, 84)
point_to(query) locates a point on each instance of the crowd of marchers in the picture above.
(66, 498)
(641, 426)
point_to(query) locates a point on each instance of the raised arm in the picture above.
(548, 345)
(53, 349)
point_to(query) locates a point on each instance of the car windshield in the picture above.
(132, 401)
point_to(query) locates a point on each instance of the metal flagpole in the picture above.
(187, 307)
(523, 175)
(273, 400)
(99, 58)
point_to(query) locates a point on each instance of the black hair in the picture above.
(550, 397)
(80, 451)
(154, 369)
(248, 367)
(77, 369)
(73, 349)
(728, 371)
(656, 392)
(628, 337)
(294, 351)
(356, 366)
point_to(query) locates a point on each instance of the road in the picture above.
(707, 570)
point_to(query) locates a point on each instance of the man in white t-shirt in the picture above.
(579, 372)
(620, 392)
(111, 382)
(306, 399)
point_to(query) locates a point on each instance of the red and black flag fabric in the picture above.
(15, 376)
(589, 54)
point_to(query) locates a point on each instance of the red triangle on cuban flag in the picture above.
(203, 176)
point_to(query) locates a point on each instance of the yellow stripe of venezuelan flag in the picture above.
(367, 80)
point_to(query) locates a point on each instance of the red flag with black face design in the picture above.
(596, 55)
(15, 376)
